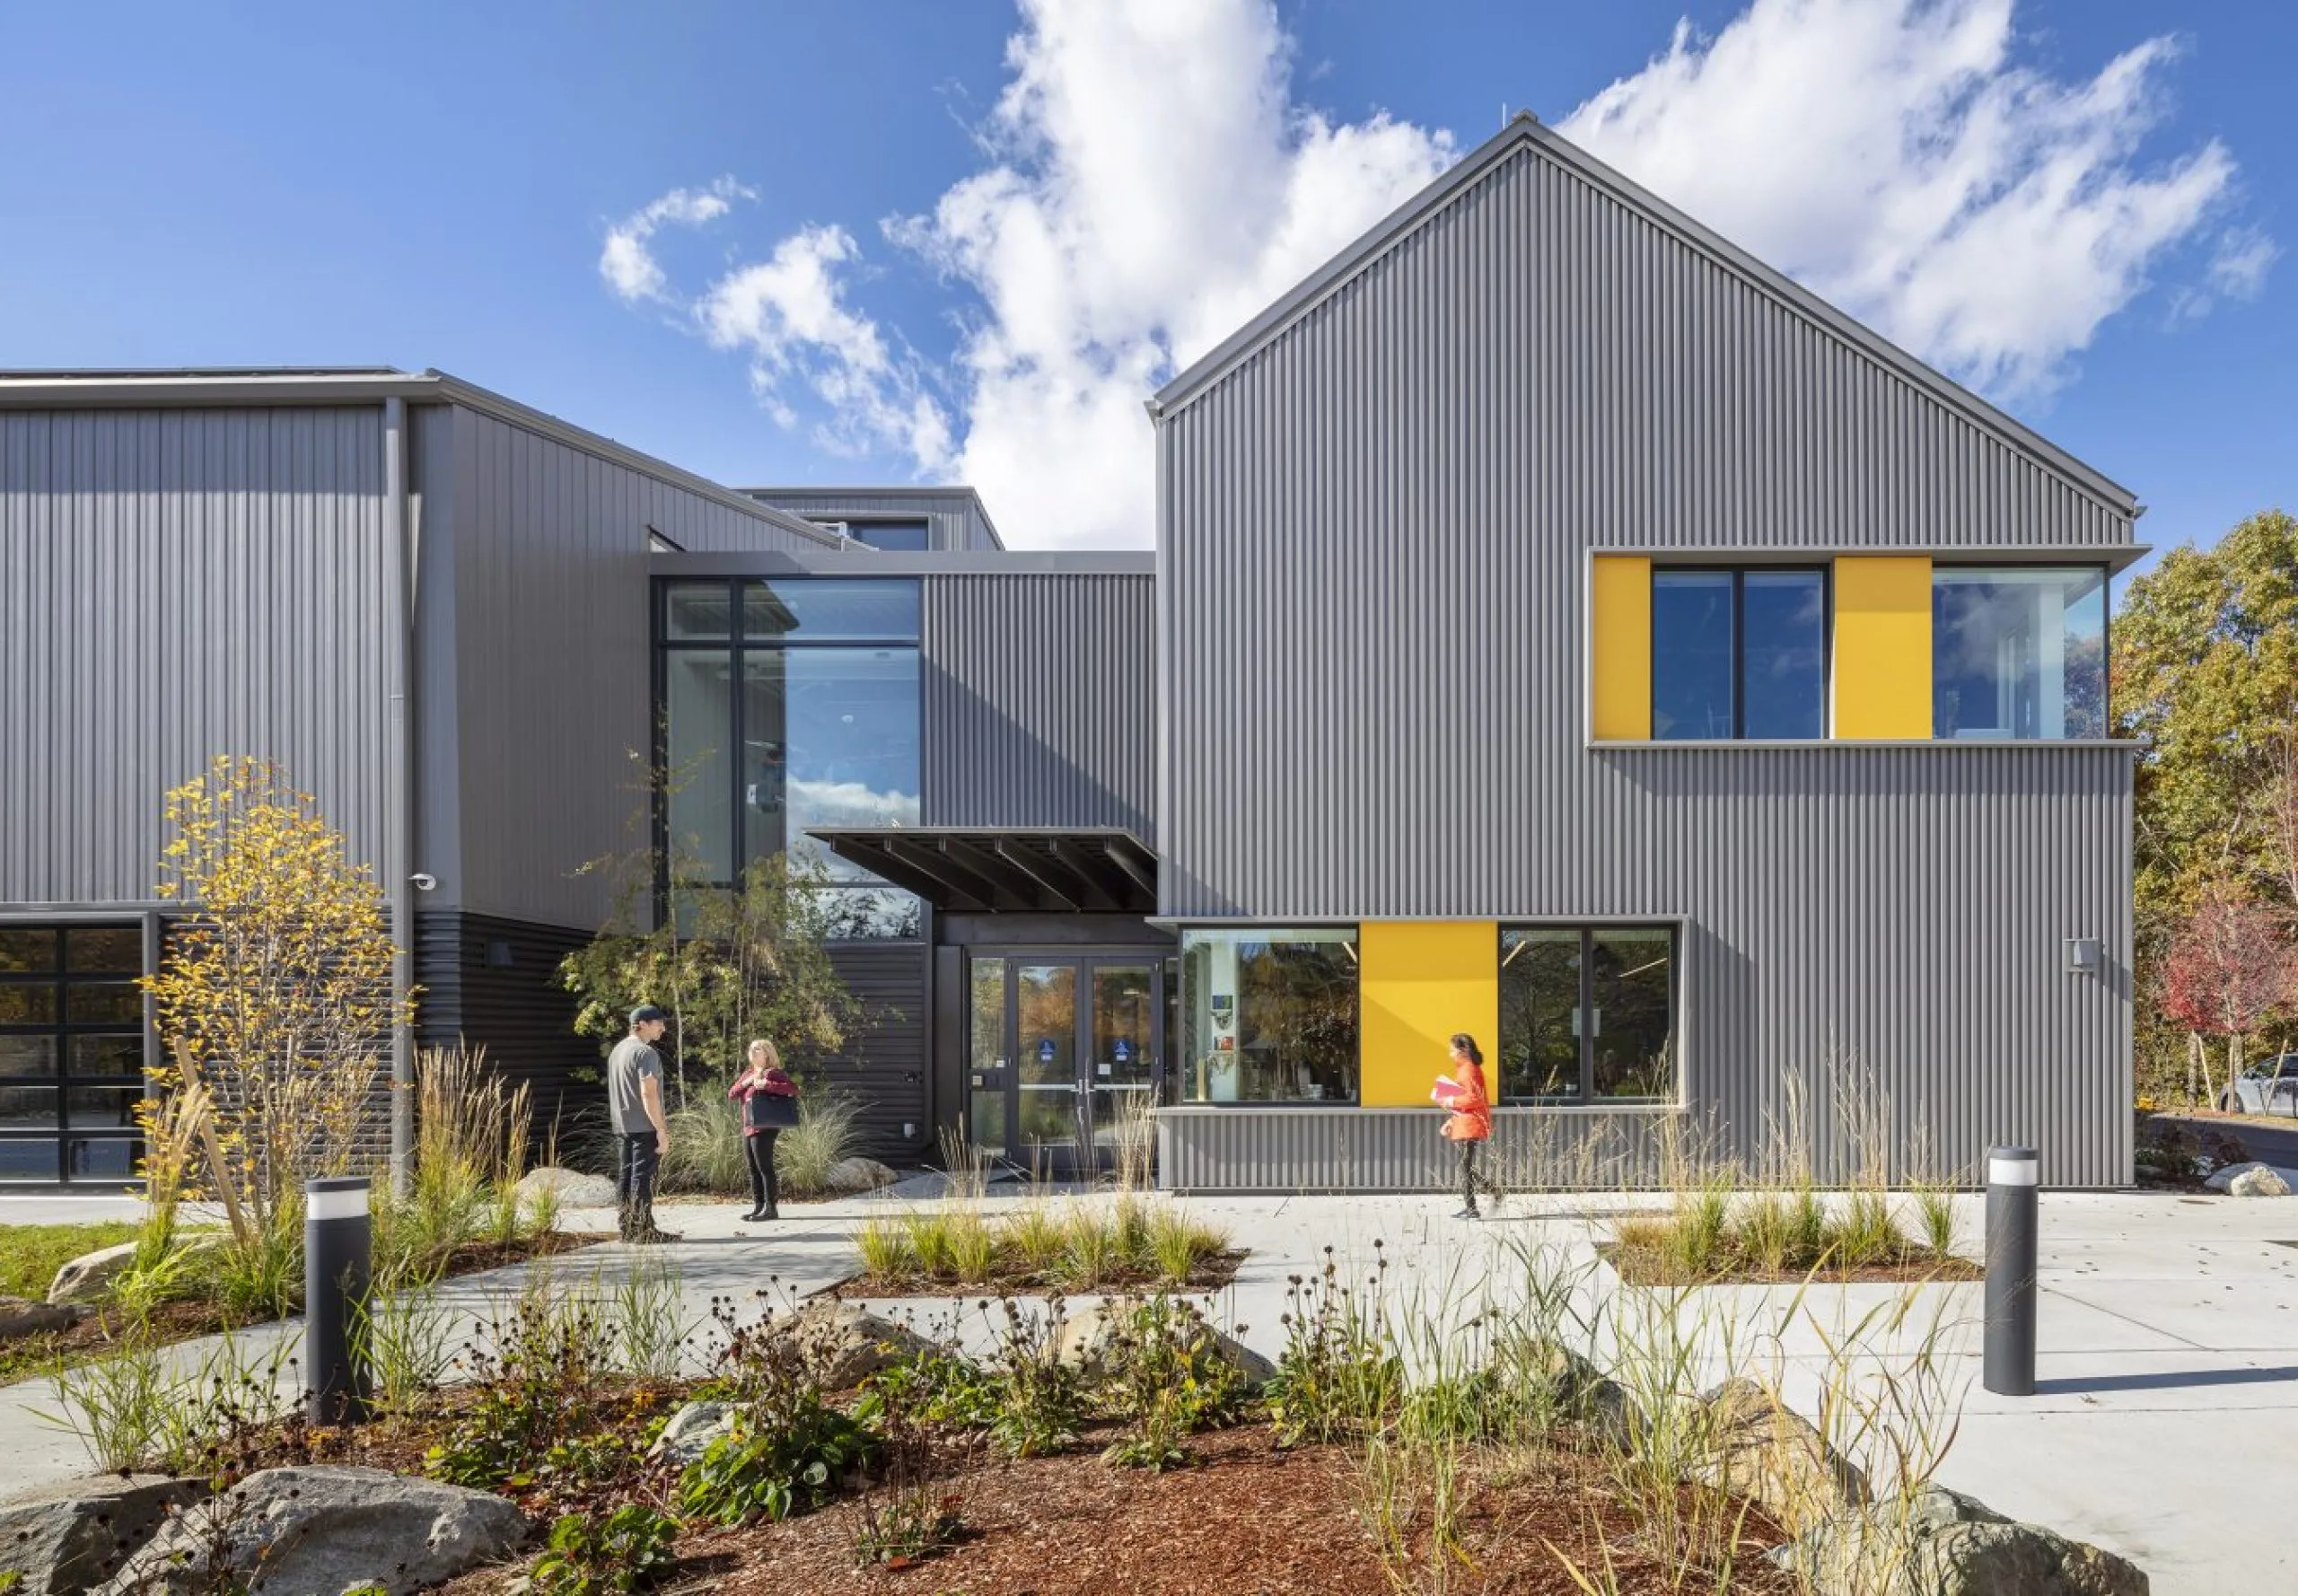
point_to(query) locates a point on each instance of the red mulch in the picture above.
(1248, 1520)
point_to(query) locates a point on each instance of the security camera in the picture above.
(422, 881)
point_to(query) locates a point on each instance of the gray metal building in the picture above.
(1562, 628)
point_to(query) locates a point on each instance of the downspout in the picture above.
(398, 827)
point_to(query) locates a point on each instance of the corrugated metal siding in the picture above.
(182, 583)
(954, 521)
(551, 662)
(1038, 701)
(1376, 542)
(1250, 1149)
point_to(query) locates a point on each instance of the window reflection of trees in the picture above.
(1630, 1052)
(1296, 1021)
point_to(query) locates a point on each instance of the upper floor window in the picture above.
(1738, 654)
(788, 706)
(895, 537)
(2019, 651)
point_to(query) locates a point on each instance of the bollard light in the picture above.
(2012, 1176)
(339, 1244)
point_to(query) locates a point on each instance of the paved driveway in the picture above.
(2168, 1364)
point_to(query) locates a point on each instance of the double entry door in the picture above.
(1061, 1046)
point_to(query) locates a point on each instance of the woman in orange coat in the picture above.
(1469, 1125)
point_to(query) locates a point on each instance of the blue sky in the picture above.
(435, 186)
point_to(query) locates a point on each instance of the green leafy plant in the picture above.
(771, 1465)
(591, 1555)
(1340, 1373)
(1040, 1397)
(1168, 1377)
(549, 1343)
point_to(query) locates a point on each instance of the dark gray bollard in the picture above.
(338, 1245)
(2012, 1174)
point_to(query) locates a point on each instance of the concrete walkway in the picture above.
(2169, 1363)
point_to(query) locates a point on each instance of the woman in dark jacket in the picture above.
(769, 1100)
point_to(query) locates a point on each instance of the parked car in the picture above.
(2270, 1086)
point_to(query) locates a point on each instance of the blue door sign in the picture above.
(1044, 1050)
(1123, 1051)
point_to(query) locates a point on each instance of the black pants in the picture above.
(633, 1177)
(764, 1191)
(1469, 1179)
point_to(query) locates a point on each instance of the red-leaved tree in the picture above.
(2230, 963)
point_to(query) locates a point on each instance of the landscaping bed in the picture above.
(110, 1328)
(958, 1251)
(1714, 1236)
(565, 1447)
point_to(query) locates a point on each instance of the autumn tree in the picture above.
(274, 985)
(2205, 673)
(2230, 963)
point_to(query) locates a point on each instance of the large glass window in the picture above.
(2018, 652)
(1270, 1016)
(1738, 654)
(71, 1052)
(790, 704)
(1587, 1014)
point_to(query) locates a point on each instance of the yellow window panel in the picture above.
(1419, 982)
(1883, 646)
(1619, 664)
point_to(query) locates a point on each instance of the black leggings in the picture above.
(764, 1190)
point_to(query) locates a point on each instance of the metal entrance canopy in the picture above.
(992, 869)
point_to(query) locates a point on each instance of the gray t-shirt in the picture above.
(630, 1063)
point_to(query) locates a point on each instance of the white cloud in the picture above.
(789, 314)
(1896, 158)
(1152, 185)
(626, 262)
(2244, 256)
(1150, 182)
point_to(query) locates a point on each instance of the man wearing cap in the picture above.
(635, 1098)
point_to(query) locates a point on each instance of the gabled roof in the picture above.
(1525, 132)
(256, 386)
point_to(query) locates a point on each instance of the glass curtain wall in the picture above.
(788, 705)
(1587, 1014)
(1268, 1016)
(2018, 652)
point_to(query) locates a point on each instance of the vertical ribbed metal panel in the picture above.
(553, 676)
(1036, 701)
(953, 521)
(1375, 542)
(178, 584)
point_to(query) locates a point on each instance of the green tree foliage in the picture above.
(2206, 673)
(729, 965)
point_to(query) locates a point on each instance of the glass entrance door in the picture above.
(1060, 1045)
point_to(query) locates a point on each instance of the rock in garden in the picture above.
(572, 1187)
(1090, 1336)
(691, 1430)
(1946, 1544)
(73, 1537)
(88, 1277)
(860, 1174)
(19, 1316)
(845, 1345)
(2250, 1179)
(1581, 1392)
(1771, 1454)
(322, 1531)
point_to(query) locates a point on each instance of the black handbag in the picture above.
(768, 1110)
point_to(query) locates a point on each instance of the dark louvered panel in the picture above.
(883, 1071)
(494, 984)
